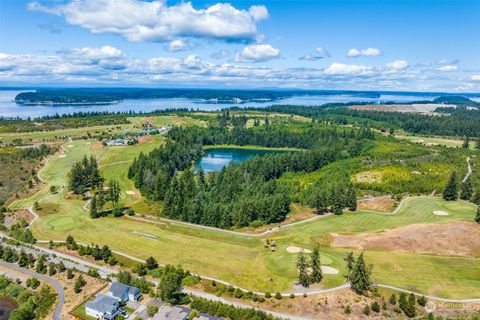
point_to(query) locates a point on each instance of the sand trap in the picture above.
(62, 156)
(440, 213)
(329, 270)
(70, 146)
(293, 249)
(130, 192)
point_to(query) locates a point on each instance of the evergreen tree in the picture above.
(23, 259)
(466, 193)
(476, 197)
(451, 189)
(41, 267)
(302, 270)
(315, 265)
(477, 217)
(360, 277)
(350, 261)
(93, 208)
(151, 263)
(351, 198)
(114, 192)
(466, 142)
(170, 286)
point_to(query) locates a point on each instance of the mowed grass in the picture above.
(242, 260)
(170, 120)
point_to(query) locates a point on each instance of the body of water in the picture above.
(217, 158)
(8, 107)
(7, 304)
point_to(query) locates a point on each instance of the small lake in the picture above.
(7, 305)
(216, 158)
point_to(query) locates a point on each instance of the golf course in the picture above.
(242, 259)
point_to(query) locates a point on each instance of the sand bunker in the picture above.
(62, 156)
(440, 213)
(448, 239)
(293, 249)
(130, 192)
(329, 270)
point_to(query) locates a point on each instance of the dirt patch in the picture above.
(14, 217)
(448, 239)
(145, 139)
(380, 204)
(130, 192)
(369, 177)
(440, 213)
(97, 145)
(62, 156)
(293, 249)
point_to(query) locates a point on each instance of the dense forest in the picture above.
(459, 122)
(241, 193)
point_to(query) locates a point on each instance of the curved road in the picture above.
(57, 315)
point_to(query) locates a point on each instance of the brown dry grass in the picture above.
(14, 217)
(459, 238)
(428, 108)
(380, 204)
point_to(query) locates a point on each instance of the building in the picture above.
(103, 307)
(171, 313)
(123, 293)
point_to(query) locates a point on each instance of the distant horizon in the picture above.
(303, 45)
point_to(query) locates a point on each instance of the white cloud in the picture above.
(156, 21)
(370, 52)
(320, 53)
(398, 64)
(220, 54)
(258, 13)
(448, 61)
(476, 77)
(447, 68)
(347, 69)
(257, 53)
(179, 45)
(105, 52)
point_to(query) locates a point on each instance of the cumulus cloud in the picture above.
(370, 52)
(398, 64)
(347, 69)
(179, 45)
(447, 68)
(156, 21)
(448, 62)
(220, 54)
(320, 53)
(476, 77)
(257, 53)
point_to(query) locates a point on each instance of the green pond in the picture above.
(215, 159)
(7, 304)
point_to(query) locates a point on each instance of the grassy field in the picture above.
(243, 260)
(432, 140)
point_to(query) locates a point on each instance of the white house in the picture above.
(103, 307)
(123, 293)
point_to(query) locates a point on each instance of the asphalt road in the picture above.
(57, 315)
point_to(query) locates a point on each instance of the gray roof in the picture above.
(117, 289)
(103, 304)
(170, 313)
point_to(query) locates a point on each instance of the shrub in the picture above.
(268, 295)
(292, 296)
(347, 309)
(422, 301)
(238, 293)
(278, 296)
(375, 307)
(366, 310)
(393, 299)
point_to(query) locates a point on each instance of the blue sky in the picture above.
(360, 45)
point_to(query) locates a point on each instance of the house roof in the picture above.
(117, 289)
(170, 313)
(103, 304)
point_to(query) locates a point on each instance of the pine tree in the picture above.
(466, 193)
(302, 270)
(476, 197)
(316, 275)
(351, 198)
(451, 190)
(93, 208)
(466, 142)
(350, 261)
(360, 277)
(477, 218)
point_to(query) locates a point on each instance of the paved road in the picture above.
(57, 315)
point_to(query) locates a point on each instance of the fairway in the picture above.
(242, 260)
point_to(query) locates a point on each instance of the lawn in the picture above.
(243, 260)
